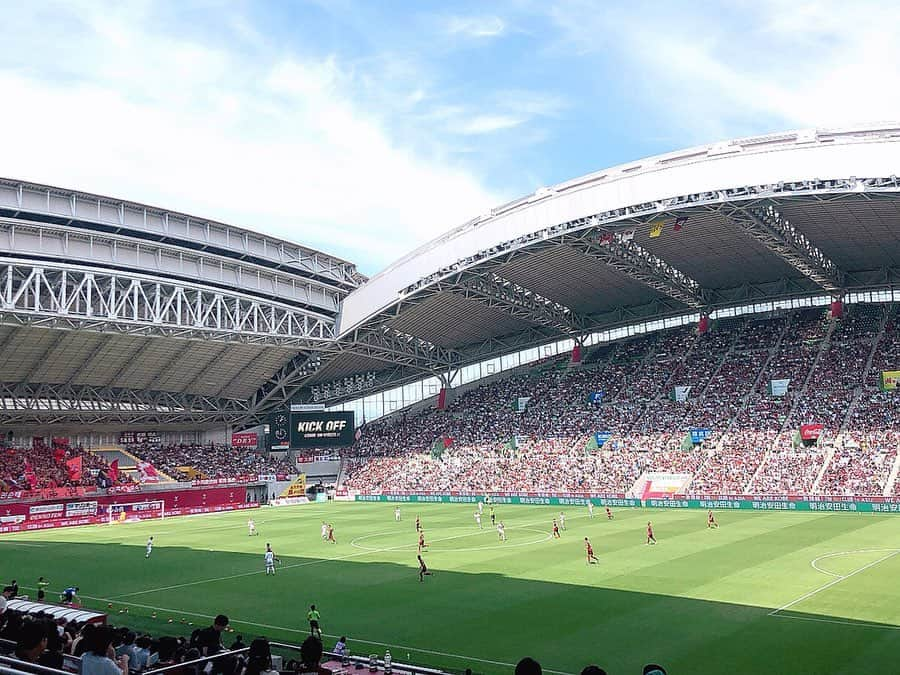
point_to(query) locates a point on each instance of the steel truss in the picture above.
(671, 207)
(42, 203)
(638, 263)
(29, 404)
(492, 290)
(765, 223)
(62, 296)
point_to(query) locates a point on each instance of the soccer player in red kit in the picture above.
(650, 538)
(331, 534)
(423, 570)
(422, 544)
(591, 558)
(711, 519)
(609, 515)
(418, 524)
(555, 529)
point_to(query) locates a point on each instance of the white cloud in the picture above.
(486, 124)
(784, 64)
(476, 26)
(273, 144)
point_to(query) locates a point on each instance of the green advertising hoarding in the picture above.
(715, 504)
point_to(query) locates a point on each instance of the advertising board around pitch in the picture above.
(321, 429)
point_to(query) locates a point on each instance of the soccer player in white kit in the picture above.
(324, 531)
(501, 531)
(252, 527)
(478, 520)
(149, 547)
(562, 520)
(270, 561)
(590, 509)
(480, 507)
(397, 514)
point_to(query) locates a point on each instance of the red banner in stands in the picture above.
(48, 493)
(244, 440)
(442, 399)
(810, 432)
(837, 309)
(703, 325)
(576, 354)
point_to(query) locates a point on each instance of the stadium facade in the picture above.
(117, 315)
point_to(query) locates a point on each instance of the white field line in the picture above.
(831, 583)
(304, 632)
(840, 553)
(303, 564)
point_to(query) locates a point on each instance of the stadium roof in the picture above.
(116, 313)
(795, 214)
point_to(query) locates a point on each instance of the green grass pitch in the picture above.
(766, 592)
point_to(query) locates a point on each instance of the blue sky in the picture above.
(367, 128)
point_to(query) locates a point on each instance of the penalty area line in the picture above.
(831, 583)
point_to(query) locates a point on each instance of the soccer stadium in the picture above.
(647, 415)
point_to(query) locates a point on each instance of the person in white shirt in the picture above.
(590, 509)
(252, 527)
(270, 561)
(149, 547)
(501, 531)
(397, 514)
(480, 506)
(562, 520)
(478, 520)
(324, 531)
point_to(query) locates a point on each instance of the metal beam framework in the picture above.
(765, 223)
(60, 296)
(624, 255)
(494, 291)
(395, 347)
(54, 404)
(282, 387)
(43, 203)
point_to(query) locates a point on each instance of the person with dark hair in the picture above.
(528, 666)
(653, 669)
(340, 647)
(209, 640)
(310, 656)
(313, 617)
(423, 569)
(127, 647)
(238, 643)
(32, 642)
(15, 588)
(98, 658)
(593, 670)
(83, 639)
(259, 659)
(41, 587)
(141, 653)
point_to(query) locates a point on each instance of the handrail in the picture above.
(6, 670)
(202, 659)
(32, 667)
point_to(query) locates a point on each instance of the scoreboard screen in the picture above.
(296, 430)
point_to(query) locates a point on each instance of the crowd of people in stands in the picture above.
(57, 465)
(182, 462)
(102, 649)
(752, 447)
